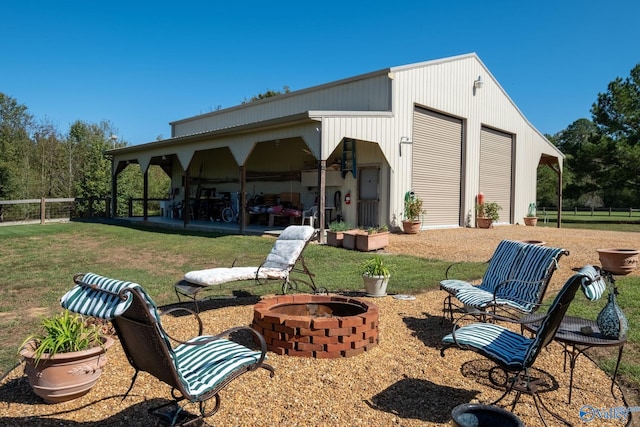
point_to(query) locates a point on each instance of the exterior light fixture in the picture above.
(478, 83)
(404, 140)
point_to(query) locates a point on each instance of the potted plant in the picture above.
(531, 219)
(374, 239)
(336, 232)
(349, 238)
(375, 274)
(487, 214)
(66, 359)
(412, 211)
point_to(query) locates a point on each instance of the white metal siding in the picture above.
(366, 94)
(496, 169)
(436, 171)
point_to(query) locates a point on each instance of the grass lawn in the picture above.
(38, 263)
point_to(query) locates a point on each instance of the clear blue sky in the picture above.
(141, 65)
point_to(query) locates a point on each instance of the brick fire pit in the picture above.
(321, 326)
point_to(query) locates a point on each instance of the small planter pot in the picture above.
(372, 242)
(411, 226)
(65, 376)
(375, 286)
(530, 221)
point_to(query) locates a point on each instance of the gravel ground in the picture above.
(402, 382)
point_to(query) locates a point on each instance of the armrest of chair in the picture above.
(446, 273)
(171, 310)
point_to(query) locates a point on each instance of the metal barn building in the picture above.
(444, 128)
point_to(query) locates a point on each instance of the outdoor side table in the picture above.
(575, 342)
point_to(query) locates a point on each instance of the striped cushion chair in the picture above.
(196, 369)
(513, 352)
(522, 292)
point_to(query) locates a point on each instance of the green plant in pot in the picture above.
(487, 214)
(375, 238)
(66, 359)
(375, 274)
(412, 212)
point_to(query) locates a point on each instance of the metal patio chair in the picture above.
(515, 353)
(196, 369)
(280, 263)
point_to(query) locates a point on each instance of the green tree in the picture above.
(617, 116)
(268, 94)
(16, 148)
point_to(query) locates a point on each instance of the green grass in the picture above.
(38, 263)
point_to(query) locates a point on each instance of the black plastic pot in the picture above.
(477, 415)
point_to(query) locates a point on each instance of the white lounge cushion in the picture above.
(220, 275)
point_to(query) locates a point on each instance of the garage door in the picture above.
(436, 169)
(496, 166)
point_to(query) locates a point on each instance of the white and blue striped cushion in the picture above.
(94, 302)
(593, 285)
(523, 290)
(500, 343)
(203, 367)
(498, 270)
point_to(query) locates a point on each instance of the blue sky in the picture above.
(141, 65)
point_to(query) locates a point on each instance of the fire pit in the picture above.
(320, 326)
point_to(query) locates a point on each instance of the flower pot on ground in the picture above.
(531, 219)
(375, 274)
(66, 360)
(374, 239)
(335, 234)
(487, 214)
(618, 261)
(412, 223)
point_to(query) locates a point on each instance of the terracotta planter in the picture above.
(66, 376)
(334, 238)
(372, 242)
(411, 226)
(618, 261)
(375, 286)
(349, 239)
(484, 222)
(531, 221)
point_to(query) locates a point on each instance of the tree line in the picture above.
(37, 160)
(602, 165)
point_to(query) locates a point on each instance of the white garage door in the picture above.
(496, 169)
(436, 169)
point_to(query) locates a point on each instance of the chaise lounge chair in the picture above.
(197, 369)
(279, 264)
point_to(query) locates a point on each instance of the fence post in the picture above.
(609, 211)
(43, 210)
(107, 205)
(630, 210)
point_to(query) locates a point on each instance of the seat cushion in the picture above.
(220, 275)
(204, 367)
(496, 342)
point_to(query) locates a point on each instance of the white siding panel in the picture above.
(366, 94)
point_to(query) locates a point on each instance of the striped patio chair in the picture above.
(516, 353)
(516, 284)
(196, 369)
